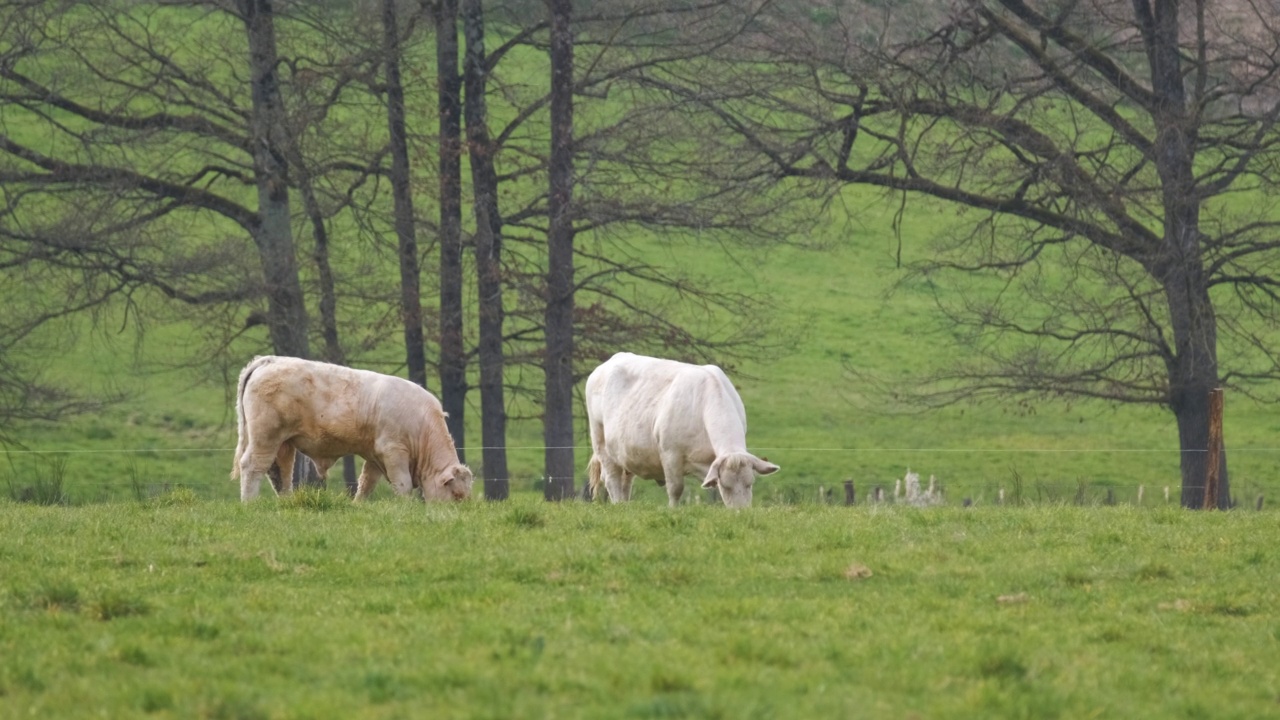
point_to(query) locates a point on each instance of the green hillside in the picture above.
(806, 411)
(842, 307)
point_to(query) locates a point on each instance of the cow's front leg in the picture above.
(624, 483)
(397, 468)
(673, 472)
(370, 474)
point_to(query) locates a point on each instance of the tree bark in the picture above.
(1193, 374)
(273, 233)
(488, 252)
(286, 309)
(453, 359)
(558, 362)
(402, 196)
(1193, 369)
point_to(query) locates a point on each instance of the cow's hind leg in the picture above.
(254, 464)
(613, 481)
(286, 457)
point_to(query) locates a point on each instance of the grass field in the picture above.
(313, 608)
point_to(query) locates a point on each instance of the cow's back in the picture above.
(647, 406)
(342, 408)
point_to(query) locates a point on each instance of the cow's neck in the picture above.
(435, 454)
(725, 429)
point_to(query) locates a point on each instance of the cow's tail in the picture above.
(595, 472)
(242, 432)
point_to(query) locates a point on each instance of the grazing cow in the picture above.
(285, 405)
(663, 419)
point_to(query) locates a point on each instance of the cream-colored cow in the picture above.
(663, 419)
(285, 405)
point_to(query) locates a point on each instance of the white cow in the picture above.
(285, 404)
(663, 419)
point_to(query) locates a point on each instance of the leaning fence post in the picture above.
(1215, 450)
(1259, 501)
(850, 495)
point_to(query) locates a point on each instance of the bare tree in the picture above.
(402, 194)
(558, 363)
(488, 253)
(268, 142)
(139, 144)
(453, 360)
(1095, 148)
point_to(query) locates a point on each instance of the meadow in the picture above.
(135, 585)
(312, 607)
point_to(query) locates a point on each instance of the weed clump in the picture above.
(57, 596)
(528, 518)
(114, 605)
(46, 486)
(177, 497)
(314, 500)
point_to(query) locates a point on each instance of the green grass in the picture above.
(180, 607)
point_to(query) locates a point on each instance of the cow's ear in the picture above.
(461, 473)
(764, 467)
(713, 475)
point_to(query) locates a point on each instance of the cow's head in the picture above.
(452, 483)
(734, 474)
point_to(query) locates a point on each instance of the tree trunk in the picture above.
(1193, 369)
(558, 367)
(286, 309)
(1193, 375)
(488, 250)
(402, 196)
(453, 359)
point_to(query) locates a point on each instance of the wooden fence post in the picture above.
(1215, 450)
(850, 495)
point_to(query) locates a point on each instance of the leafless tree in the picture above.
(557, 419)
(402, 195)
(453, 354)
(488, 253)
(1113, 161)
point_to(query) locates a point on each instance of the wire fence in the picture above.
(848, 475)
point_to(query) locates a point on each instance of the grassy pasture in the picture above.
(307, 608)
